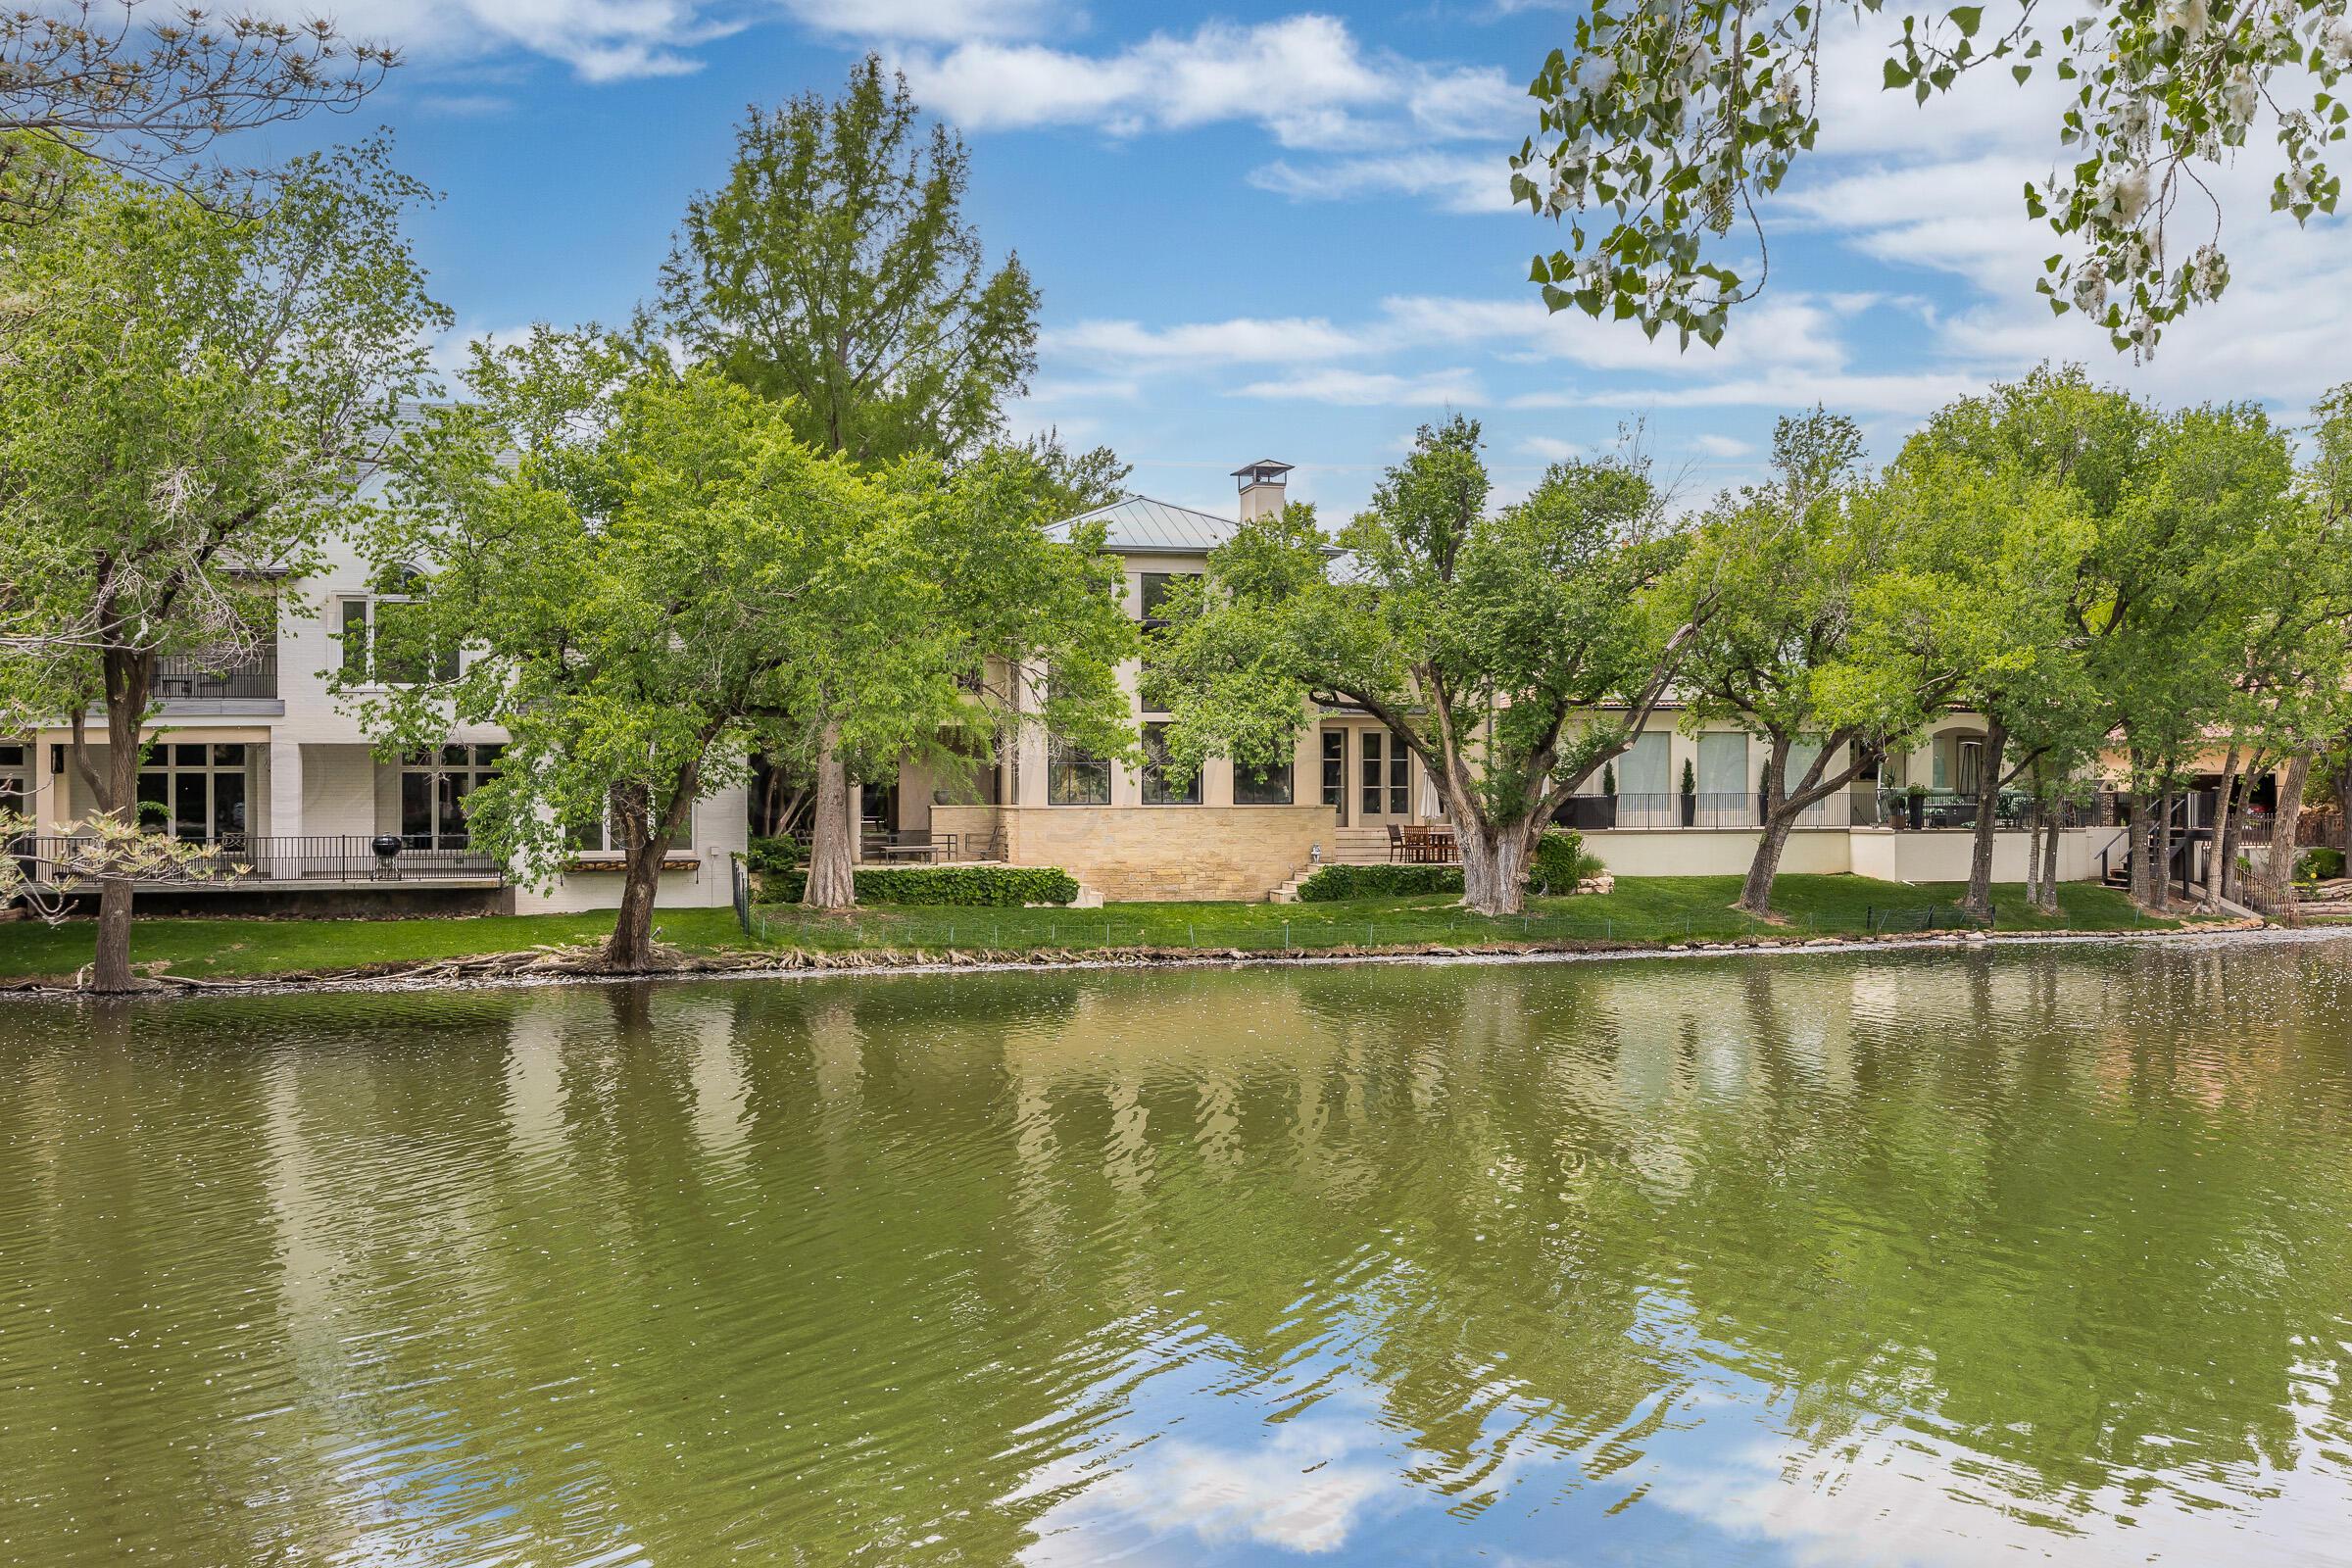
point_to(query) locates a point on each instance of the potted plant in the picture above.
(1690, 793)
(1916, 795)
(1608, 795)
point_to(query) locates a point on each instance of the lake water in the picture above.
(1888, 1259)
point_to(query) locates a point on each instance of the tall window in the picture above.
(1149, 688)
(196, 793)
(1262, 785)
(1335, 768)
(15, 784)
(381, 647)
(603, 835)
(1158, 790)
(1386, 771)
(1075, 777)
(433, 786)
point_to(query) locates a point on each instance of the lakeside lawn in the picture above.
(1642, 911)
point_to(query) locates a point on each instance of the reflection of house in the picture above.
(264, 762)
(1350, 789)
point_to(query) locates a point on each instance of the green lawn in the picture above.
(232, 946)
(1649, 909)
(1642, 911)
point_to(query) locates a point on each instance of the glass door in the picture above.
(1383, 777)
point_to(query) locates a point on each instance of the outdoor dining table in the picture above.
(1427, 846)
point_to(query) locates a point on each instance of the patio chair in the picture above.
(1396, 842)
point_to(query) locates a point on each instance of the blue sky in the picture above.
(1266, 230)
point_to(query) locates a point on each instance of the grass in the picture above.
(1644, 911)
(238, 947)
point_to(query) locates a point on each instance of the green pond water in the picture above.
(2039, 1254)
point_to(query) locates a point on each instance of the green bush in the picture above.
(1561, 862)
(2324, 863)
(985, 886)
(1336, 882)
(772, 856)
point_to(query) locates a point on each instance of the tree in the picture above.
(835, 268)
(1513, 653)
(147, 90)
(1785, 566)
(633, 563)
(188, 404)
(1669, 118)
(654, 576)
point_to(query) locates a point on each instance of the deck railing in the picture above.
(240, 858)
(179, 678)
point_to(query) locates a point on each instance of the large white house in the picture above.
(265, 762)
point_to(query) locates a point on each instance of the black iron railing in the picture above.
(253, 858)
(184, 679)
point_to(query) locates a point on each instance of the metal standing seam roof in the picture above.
(1139, 524)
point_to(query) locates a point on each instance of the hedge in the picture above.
(994, 886)
(1336, 882)
(1559, 864)
(2323, 862)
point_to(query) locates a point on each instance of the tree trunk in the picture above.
(2233, 837)
(630, 946)
(2049, 864)
(1494, 862)
(2138, 841)
(2217, 870)
(2036, 815)
(128, 678)
(2278, 870)
(1977, 905)
(832, 846)
(2160, 858)
(1755, 894)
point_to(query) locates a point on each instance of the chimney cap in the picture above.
(1263, 469)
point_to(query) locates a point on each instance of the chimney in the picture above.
(1262, 485)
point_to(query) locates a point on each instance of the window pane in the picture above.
(399, 644)
(1400, 781)
(188, 812)
(1156, 586)
(1723, 763)
(1642, 770)
(456, 757)
(11, 757)
(228, 756)
(450, 818)
(1157, 789)
(1335, 768)
(155, 800)
(229, 805)
(187, 757)
(487, 756)
(354, 639)
(1262, 785)
(417, 810)
(1369, 766)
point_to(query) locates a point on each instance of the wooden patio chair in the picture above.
(1396, 842)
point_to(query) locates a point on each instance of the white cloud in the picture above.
(1240, 340)
(1458, 182)
(930, 20)
(1722, 446)
(1551, 449)
(1368, 388)
(1917, 392)
(601, 40)
(1305, 78)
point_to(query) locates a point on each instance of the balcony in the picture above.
(185, 685)
(244, 860)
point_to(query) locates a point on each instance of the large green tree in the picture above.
(1512, 652)
(1666, 122)
(835, 268)
(189, 403)
(1774, 589)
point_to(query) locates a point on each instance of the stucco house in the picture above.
(265, 763)
(1250, 834)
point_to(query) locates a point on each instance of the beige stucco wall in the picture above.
(1169, 851)
(1899, 857)
(1713, 852)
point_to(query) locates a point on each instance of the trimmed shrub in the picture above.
(983, 886)
(772, 856)
(2324, 862)
(1336, 882)
(1560, 863)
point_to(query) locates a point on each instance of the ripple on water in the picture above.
(1871, 1257)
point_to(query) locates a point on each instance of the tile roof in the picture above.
(1140, 525)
